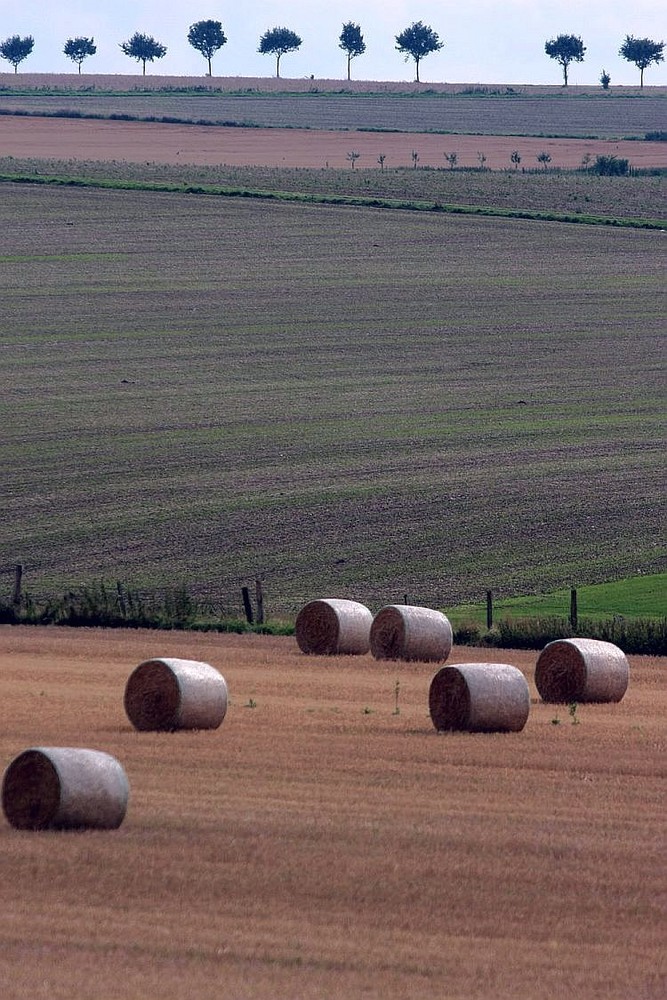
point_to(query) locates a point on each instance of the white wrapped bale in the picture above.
(51, 788)
(334, 626)
(166, 694)
(479, 698)
(406, 632)
(581, 670)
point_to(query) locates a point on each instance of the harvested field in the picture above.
(318, 844)
(67, 138)
(604, 116)
(200, 390)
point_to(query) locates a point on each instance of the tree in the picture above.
(418, 41)
(565, 49)
(16, 49)
(278, 41)
(351, 41)
(207, 37)
(78, 49)
(143, 48)
(642, 52)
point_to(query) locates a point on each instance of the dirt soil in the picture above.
(322, 844)
(137, 142)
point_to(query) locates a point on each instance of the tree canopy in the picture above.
(207, 37)
(351, 41)
(565, 49)
(418, 41)
(143, 48)
(279, 41)
(16, 49)
(78, 49)
(642, 52)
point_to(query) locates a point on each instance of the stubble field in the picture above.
(320, 845)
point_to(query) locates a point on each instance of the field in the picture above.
(202, 390)
(60, 138)
(603, 116)
(321, 845)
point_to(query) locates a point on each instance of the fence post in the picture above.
(489, 609)
(573, 608)
(18, 579)
(245, 594)
(259, 594)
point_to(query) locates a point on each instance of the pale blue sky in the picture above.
(486, 41)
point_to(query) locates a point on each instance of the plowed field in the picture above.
(137, 142)
(319, 844)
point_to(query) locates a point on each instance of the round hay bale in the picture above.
(61, 788)
(167, 694)
(581, 670)
(479, 698)
(405, 632)
(334, 626)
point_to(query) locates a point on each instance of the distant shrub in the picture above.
(611, 166)
(659, 136)
(647, 636)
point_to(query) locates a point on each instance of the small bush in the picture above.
(611, 166)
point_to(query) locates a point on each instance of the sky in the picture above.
(485, 41)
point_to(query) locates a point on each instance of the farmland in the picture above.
(321, 845)
(374, 403)
(603, 116)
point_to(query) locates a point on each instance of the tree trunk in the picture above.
(565, 74)
(209, 67)
(349, 57)
(641, 76)
(144, 73)
(277, 67)
(417, 65)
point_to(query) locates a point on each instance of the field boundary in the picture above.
(355, 201)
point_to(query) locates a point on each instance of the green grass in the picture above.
(636, 597)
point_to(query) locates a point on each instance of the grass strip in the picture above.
(359, 201)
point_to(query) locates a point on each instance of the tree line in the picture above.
(415, 42)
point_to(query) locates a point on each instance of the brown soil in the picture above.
(320, 845)
(61, 138)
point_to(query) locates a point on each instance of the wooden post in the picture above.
(573, 608)
(247, 605)
(405, 598)
(259, 594)
(489, 609)
(18, 579)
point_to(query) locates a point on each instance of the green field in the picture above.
(638, 597)
(348, 401)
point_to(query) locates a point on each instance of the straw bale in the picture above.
(333, 626)
(51, 788)
(479, 698)
(406, 632)
(581, 670)
(167, 694)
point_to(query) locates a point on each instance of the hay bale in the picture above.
(334, 626)
(581, 670)
(166, 694)
(60, 788)
(479, 698)
(405, 632)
